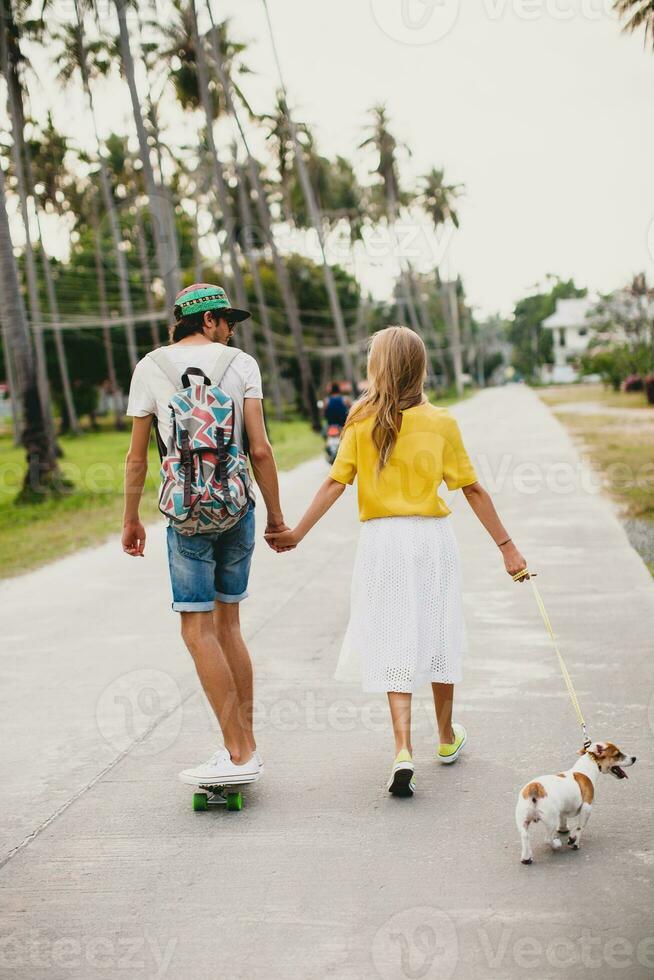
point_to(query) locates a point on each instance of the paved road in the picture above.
(108, 873)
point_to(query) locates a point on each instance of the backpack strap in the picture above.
(162, 361)
(223, 360)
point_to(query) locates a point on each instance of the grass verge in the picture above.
(34, 534)
(618, 443)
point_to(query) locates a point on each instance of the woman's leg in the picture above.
(400, 705)
(443, 701)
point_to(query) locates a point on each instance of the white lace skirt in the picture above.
(406, 625)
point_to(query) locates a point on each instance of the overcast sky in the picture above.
(542, 109)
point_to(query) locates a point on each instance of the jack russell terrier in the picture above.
(553, 800)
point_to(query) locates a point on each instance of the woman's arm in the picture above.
(482, 504)
(327, 495)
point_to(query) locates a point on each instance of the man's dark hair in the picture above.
(191, 323)
(336, 388)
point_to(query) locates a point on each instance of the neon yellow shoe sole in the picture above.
(447, 754)
(402, 781)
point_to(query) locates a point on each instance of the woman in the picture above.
(406, 620)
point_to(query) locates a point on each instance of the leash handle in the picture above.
(564, 670)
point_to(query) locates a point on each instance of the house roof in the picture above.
(571, 312)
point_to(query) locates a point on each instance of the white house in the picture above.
(570, 324)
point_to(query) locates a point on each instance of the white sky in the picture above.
(541, 107)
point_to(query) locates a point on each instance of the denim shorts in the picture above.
(206, 567)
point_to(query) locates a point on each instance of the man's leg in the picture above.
(227, 625)
(198, 632)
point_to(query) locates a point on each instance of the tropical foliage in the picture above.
(138, 214)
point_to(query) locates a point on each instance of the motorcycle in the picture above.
(332, 439)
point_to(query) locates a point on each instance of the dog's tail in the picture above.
(534, 791)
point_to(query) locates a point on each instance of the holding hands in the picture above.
(282, 540)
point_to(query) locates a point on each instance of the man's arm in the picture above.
(263, 462)
(136, 469)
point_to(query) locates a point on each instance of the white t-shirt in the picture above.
(150, 390)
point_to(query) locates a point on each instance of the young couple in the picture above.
(406, 625)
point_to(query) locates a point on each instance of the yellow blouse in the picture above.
(429, 449)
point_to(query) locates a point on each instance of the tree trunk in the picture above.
(167, 257)
(219, 180)
(406, 274)
(62, 363)
(10, 375)
(428, 329)
(450, 302)
(42, 469)
(290, 304)
(104, 315)
(15, 111)
(197, 255)
(312, 207)
(421, 317)
(266, 327)
(281, 272)
(121, 263)
(168, 199)
(147, 278)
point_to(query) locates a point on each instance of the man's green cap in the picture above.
(203, 296)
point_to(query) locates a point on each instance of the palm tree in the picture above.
(312, 207)
(280, 136)
(249, 245)
(42, 469)
(125, 173)
(386, 145)
(263, 212)
(167, 257)
(87, 58)
(220, 185)
(10, 59)
(438, 200)
(104, 310)
(50, 161)
(637, 14)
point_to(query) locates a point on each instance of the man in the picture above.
(208, 572)
(336, 409)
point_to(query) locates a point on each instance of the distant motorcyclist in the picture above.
(336, 408)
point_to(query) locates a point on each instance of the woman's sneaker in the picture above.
(219, 770)
(402, 782)
(447, 754)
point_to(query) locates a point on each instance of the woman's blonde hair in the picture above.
(397, 364)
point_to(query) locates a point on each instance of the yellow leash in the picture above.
(564, 670)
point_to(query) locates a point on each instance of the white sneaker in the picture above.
(259, 760)
(219, 770)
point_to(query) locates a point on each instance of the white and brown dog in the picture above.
(553, 800)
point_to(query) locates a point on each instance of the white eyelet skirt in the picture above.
(406, 625)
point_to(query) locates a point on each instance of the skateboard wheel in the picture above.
(200, 801)
(234, 801)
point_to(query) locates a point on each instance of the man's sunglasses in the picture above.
(217, 315)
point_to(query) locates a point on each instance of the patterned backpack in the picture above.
(204, 475)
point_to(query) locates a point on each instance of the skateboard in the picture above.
(228, 795)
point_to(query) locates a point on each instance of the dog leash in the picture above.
(564, 670)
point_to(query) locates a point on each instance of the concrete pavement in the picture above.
(108, 872)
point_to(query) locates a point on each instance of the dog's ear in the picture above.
(597, 748)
